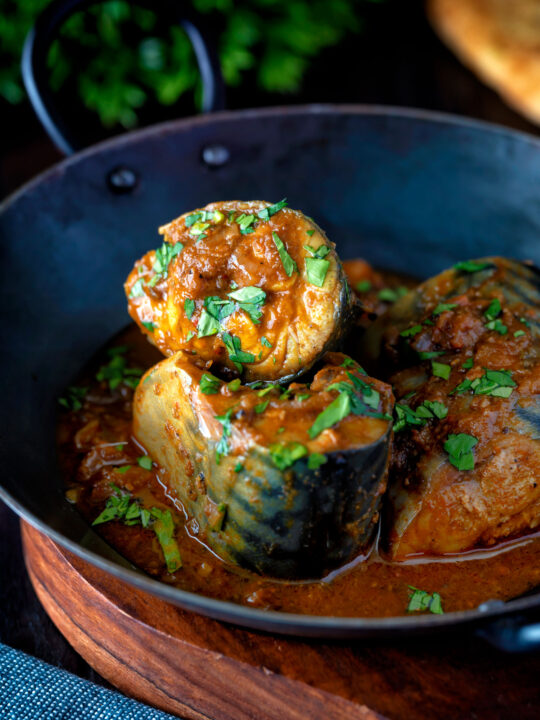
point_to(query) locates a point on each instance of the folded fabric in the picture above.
(32, 690)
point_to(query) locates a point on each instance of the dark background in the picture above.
(398, 60)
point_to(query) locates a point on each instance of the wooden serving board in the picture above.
(196, 667)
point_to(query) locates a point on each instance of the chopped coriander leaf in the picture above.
(315, 460)
(191, 334)
(218, 308)
(525, 322)
(122, 470)
(392, 294)
(303, 396)
(470, 266)
(363, 286)
(369, 395)
(316, 270)
(234, 385)
(459, 448)
(261, 407)
(444, 307)
(222, 447)
(406, 417)
(320, 252)
(288, 263)
(283, 456)
(193, 218)
(236, 354)
(420, 601)
(238, 467)
(348, 362)
(74, 398)
(498, 326)
(116, 371)
(280, 430)
(189, 307)
(519, 333)
(150, 326)
(310, 232)
(267, 212)
(163, 527)
(266, 342)
(493, 310)
(208, 325)
(467, 365)
(164, 256)
(267, 389)
(120, 446)
(336, 411)
(209, 384)
(245, 223)
(441, 370)
(198, 229)
(145, 462)
(137, 289)
(498, 383)
(411, 332)
(249, 294)
(430, 354)
(116, 507)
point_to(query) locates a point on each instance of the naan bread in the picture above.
(499, 40)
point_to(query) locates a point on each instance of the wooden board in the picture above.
(197, 668)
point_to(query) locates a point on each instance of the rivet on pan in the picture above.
(122, 180)
(215, 155)
(490, 605)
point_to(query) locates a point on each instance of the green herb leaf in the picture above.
(315, 460)
(493, 310)
(222, 447)
(283, 456)
(459, 448)
(234, 385)
(209, 384)
(310, 232)
(266, 342)
(189, 307)
(392, 294)
(467, 365)
(150, 326)
(238, 467)
(261, 407)
(363, 286)
(164, 256)
(444, 307)
(236, 354)
(145, 462)
(320, 252)
(470, 266)
(519, 333)
(412, 331)
(441, 370)
(421, 601)
(137, 289)
(267, 212)
(249, 294)
(288, 263)
(163, 527)
(430, 354)
(208, 325)
(117, 371)
(498, 326)
(334, 413)
(74, 398)
(316, 270)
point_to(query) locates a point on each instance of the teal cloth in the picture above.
(32, 690)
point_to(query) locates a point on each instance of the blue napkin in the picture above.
(32, 690)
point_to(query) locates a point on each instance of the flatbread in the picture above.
(500, 41)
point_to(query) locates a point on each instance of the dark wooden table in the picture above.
(399, 61)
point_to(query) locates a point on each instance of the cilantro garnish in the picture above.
(266, 342)
(120, 506)
(283, 456)
(459, 448)
(234, 385)
(222, 448)
(236, 354)
(208, 325)
(470, 266)
(407, 417)
(440, 370)
(430, 354)
(250, 299)
(261, 407)
(519, 333)
(392, 294)
(310, 232)
(164, 256)
(363, 286)
(411, 332)
(267, 212)
(145, 462)
(150, 326)
(493, 310)
(189, 307)
(245, 223)
(320, 252)
(497, 383)
(288, 263)
(420, 601)
(336, 411)
(209, 384)
(238, 467)
(467, 365)
(116, 371)
(444, 307)
(315, 460)
(137, 289)
(316, 270)
(74, 398)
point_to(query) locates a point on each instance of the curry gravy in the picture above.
(95, 440)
